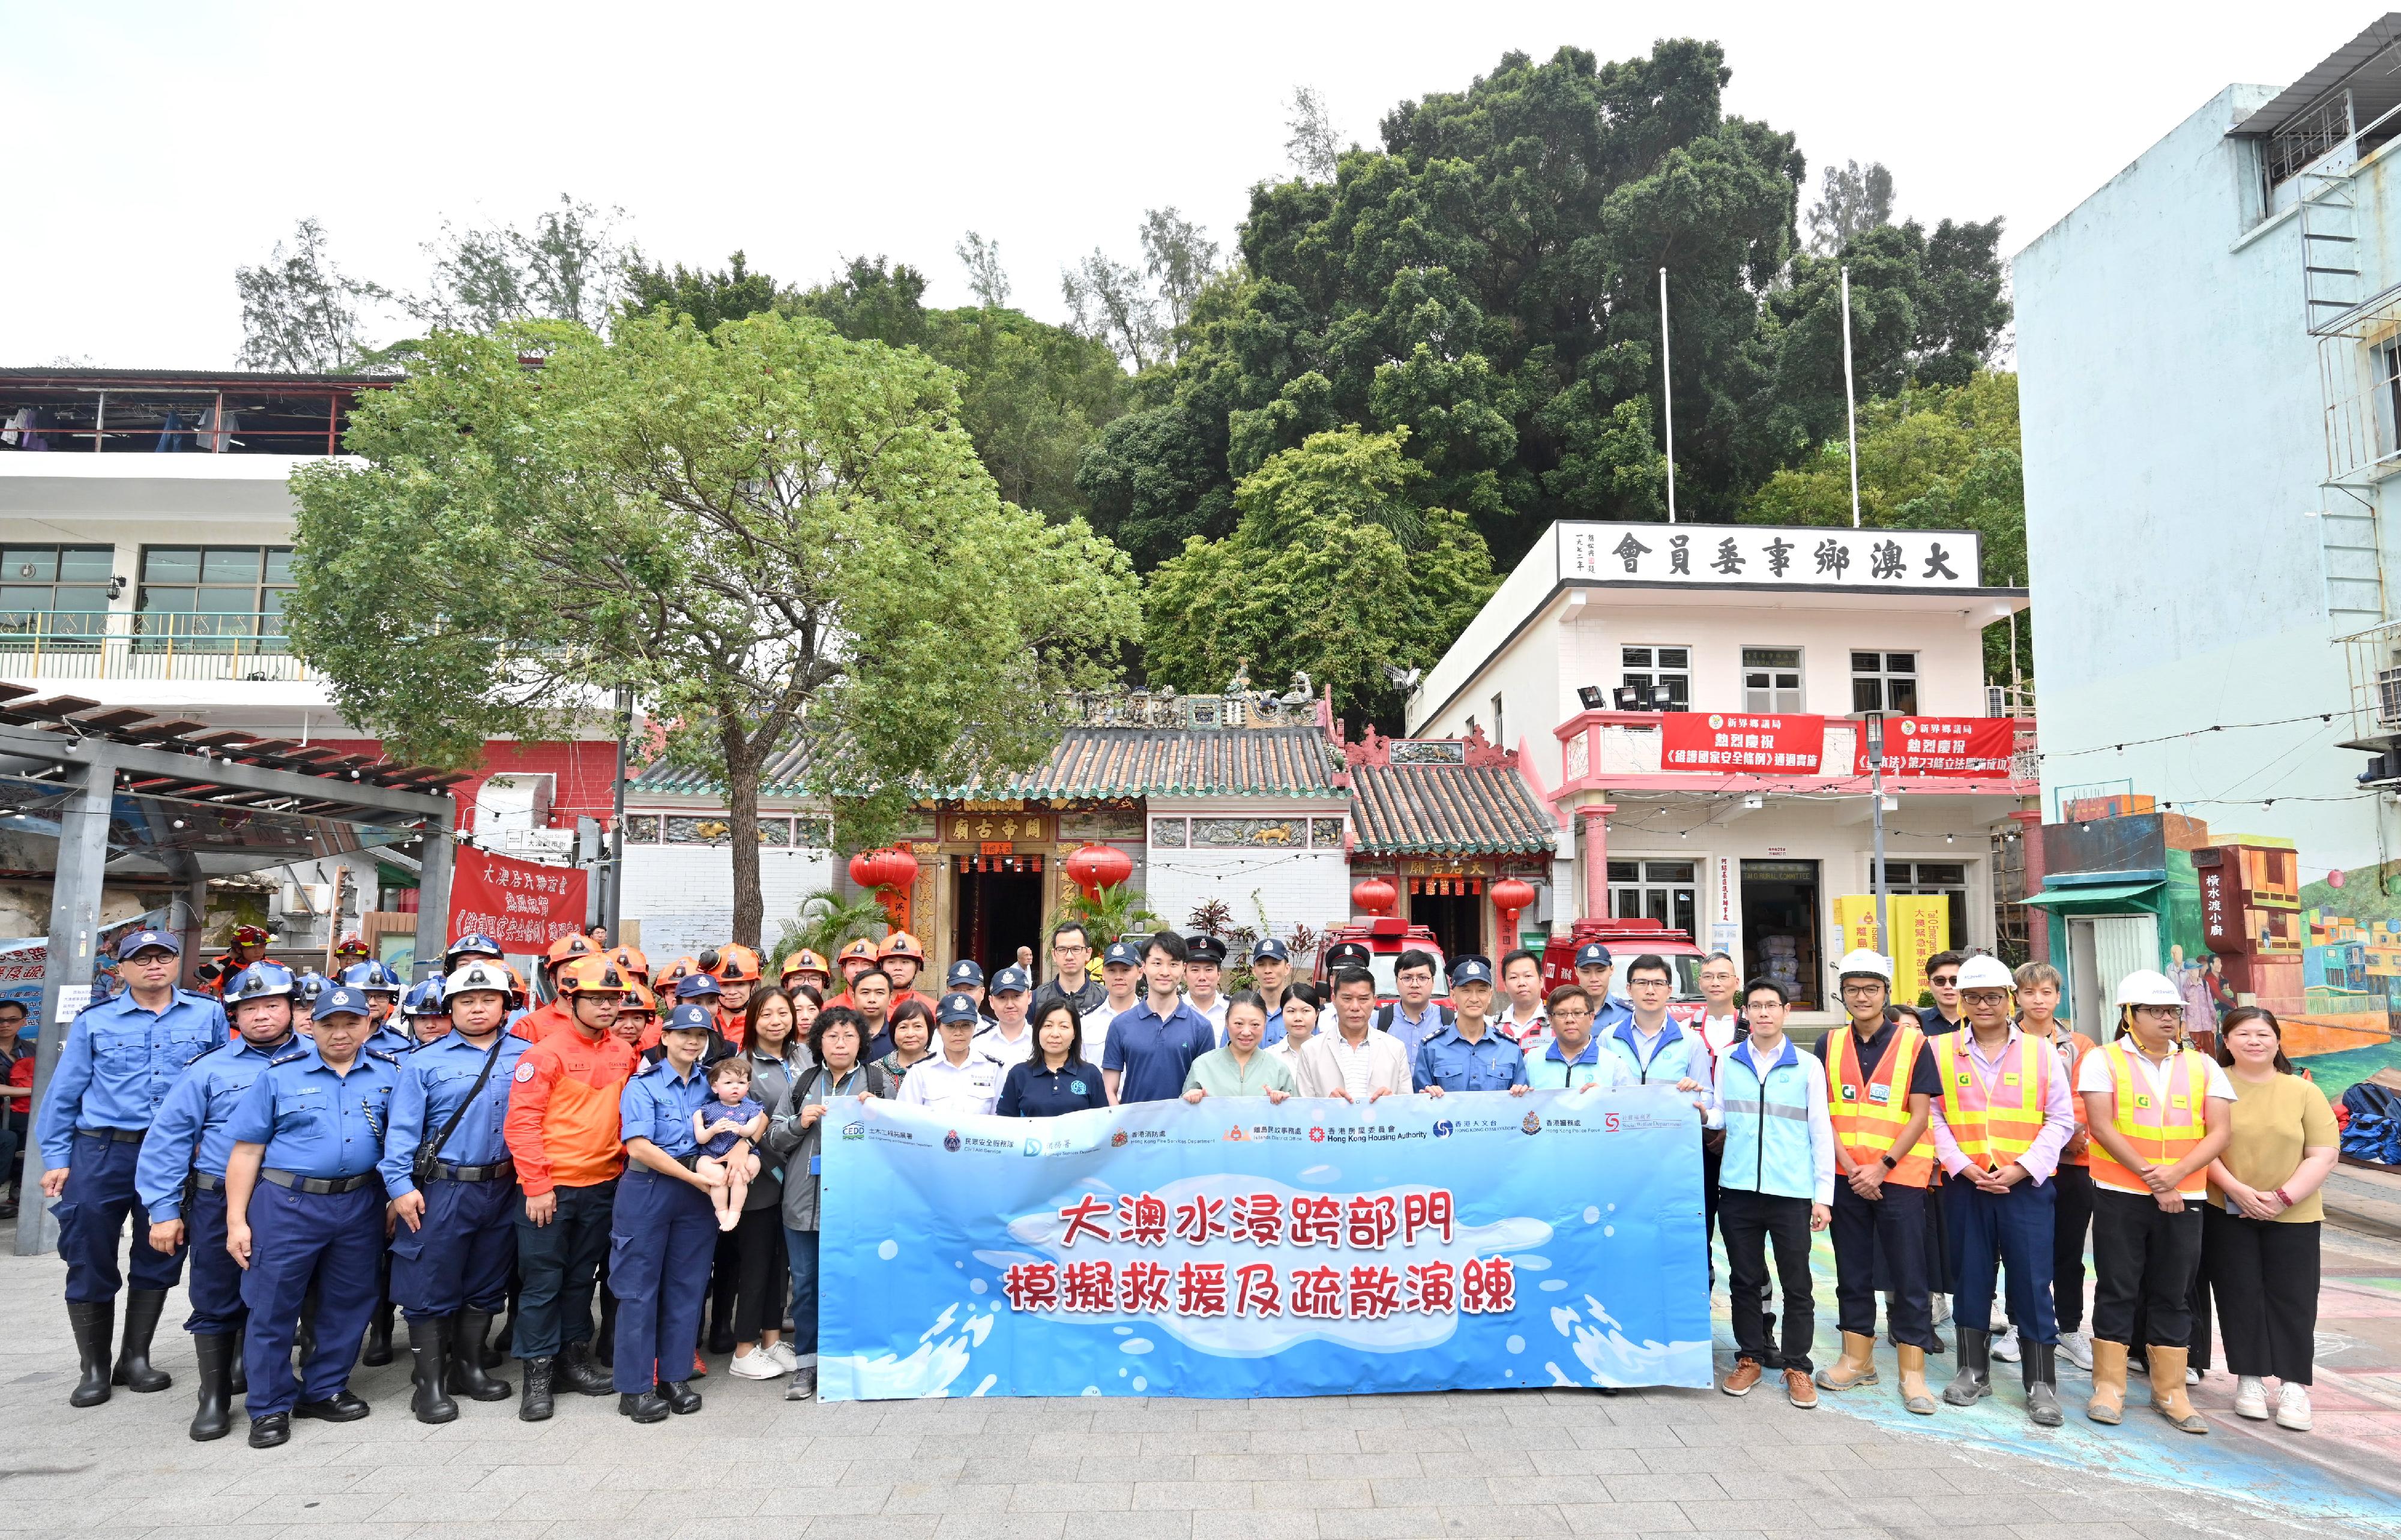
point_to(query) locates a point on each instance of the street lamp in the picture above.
(1873, 723)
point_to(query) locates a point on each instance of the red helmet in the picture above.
(352, 944)
(249, 935)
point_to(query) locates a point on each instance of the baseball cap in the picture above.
(697, 987)
(688, 1018)
(1271, 950)
(1469, 970)
(1012, 981)
(141, 940)
(1592, 954)
(965, 973)
(341, 999)
(956, 1008)
(1122, 951)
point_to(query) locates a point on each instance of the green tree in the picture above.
(300, 312)
(710, 299)
(1334, 571)
(566, 266)
(1932, 457)
(748, 529)
(823, 922)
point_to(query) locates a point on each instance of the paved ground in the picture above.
(1533, 1462)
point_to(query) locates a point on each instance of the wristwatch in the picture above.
(1890, 1164)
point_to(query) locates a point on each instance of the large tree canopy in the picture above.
(747, 528)
(1488, 280)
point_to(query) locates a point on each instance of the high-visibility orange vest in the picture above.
(1870, 1113)
(2162, 1134)
(1994, 1127)
(2071, 1048)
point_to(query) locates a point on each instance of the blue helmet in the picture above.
(376, 978)
(308, 985)
(478, 945)
(261, 981)
(425, 1000)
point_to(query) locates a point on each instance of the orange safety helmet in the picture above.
(682, 968)
(901, 943)
(593, 975)
(638, 999)
(806, 961)
(567, 948)
(519, 996)
(352, 944)
(860, 950)
(733, 963)
(632, 961)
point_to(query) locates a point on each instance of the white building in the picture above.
(1737, 813)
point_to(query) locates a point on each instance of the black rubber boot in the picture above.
(304, 1336)
(133, 1370)
(582, 1375)
(429, 1352)
(497, 1352)
(239, 1384)
(95, 1325)
(468, 1368)
(214, 1418)
(378, 1351)
(681, 1398)
(533, 1401)
(1974, 1380)
(2041, 1367)
(604, 1346)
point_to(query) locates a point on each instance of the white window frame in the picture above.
(1768, 703)
(1634, 900)
(1655, 672)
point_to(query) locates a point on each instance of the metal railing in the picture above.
(149, 645)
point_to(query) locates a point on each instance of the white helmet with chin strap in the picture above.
(2146, 987)
(1985, 972)
(1860, 963)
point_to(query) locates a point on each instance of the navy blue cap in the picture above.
(1469, 970)
(965, 973)
(688, 1018)
(1012, 980)
(1204, 948)
(956, 1008)
(1349, 954)
(141, 939)
(1122, 951)
(697, 987)
(341, 999)
(1271, 948)
(1592, 954)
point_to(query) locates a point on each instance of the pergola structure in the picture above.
(124, 792)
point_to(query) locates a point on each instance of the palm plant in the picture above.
(825, 921)
(1118, 911)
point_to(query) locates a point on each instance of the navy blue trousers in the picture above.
(1891, 1229)
(557, 1265)
(2011, 1235)
(217, 1310)
(91, 1214)
(460, 1256)
(333, 1240)
(659, 1251)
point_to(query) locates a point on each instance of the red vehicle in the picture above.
(1628, 939)
(1385, 939)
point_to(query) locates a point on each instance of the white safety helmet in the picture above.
(2144, 987)
(475, 973)
(1985, 972)
(1863, 964)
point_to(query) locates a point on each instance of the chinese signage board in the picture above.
(1763, 557)
(522, 906)
(978, 829)
(1972, 747)
(1713, 741)
(1921, 927)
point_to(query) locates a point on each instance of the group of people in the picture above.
(639, 1153)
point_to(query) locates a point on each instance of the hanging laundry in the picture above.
(21, 433)
(173, 438)
(217, 437)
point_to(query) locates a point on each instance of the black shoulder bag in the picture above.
(421, 1171)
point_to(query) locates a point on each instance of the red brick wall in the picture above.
(584, 774)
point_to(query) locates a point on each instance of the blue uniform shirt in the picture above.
(1491, 1063)
(390, 1037)
(1152, 1053)
(316, 1123)
(119, 1063)
(1033, 1092)
(1411, 1035)
(433, 1079)
(657, 1105)
(191, 1128)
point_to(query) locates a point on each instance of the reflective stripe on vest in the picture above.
(1994, 1127)
(1768, 1148)
(1869, 1114)
(2162, 1135)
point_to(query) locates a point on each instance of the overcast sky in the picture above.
(156, 147)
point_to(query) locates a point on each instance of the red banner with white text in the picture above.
(1768, 744)
(1962, 747)
(523, 905)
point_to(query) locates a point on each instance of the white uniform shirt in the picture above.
(1215, 1016)
(956, 1088)
(2094, 1074)
(1001, 1050)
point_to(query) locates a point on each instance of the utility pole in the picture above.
(1851, 410)
(613, 914)
(1668, 396)
(1874, 723)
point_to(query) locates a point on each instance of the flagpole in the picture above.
(1667, 394)
(1850, 404)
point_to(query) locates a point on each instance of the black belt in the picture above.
(202, 1181)
(444, 1171)
(116, 1136)
(321, 1185)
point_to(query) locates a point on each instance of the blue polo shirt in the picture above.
(657, 1105)
(119, 1063)
(1413, 1035)
(192, 1128)
(1033, 1092)
(434, 1080)
(1491, 1063)
(313, 1121)
(1152, 1053)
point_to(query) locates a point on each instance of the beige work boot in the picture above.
(1914, 1393)
(1855, 1368)
(2167, 1389)
(2108, 1403)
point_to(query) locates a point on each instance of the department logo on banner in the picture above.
(1117, 1140)
(854, 1130)
(1533, 1124)
(951, 1141)
(1442, 1128)
(1034, 1147)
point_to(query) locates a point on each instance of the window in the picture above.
(54, 591)
(1664, 891)
(1938, 878)
(1884, 681)
(1771, 678)
(1667, 670)
(234, 591)
(1500, 737)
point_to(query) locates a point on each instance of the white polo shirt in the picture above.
(1004, 1051)
(956, 1088)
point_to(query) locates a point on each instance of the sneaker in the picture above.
(1799, 1389)
(782, 1353)
(2251, 1397)
(1941, 1309)
(2191, 1376)
(2077, 1345)
(2293, 1409)
(758, 1364)
(2005, 1347)
(1746, 1374)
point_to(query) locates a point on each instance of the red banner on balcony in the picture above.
(1776, 744)
(523, 905)
(1980, 748)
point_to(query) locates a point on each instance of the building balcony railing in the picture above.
(151, 644)
(1602, 747)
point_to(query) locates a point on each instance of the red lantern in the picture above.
(1376, 896)
(1094, 866)
(1512, 898)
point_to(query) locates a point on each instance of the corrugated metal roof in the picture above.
(2375, 91)
(1447, 810)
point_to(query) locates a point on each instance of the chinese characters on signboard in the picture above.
(1968, 747)
(522, 906)
(1698, 740)
(1770, 557)
(979, 829)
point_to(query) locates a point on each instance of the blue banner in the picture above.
(1234, 1248)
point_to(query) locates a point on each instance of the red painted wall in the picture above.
(584, 774)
